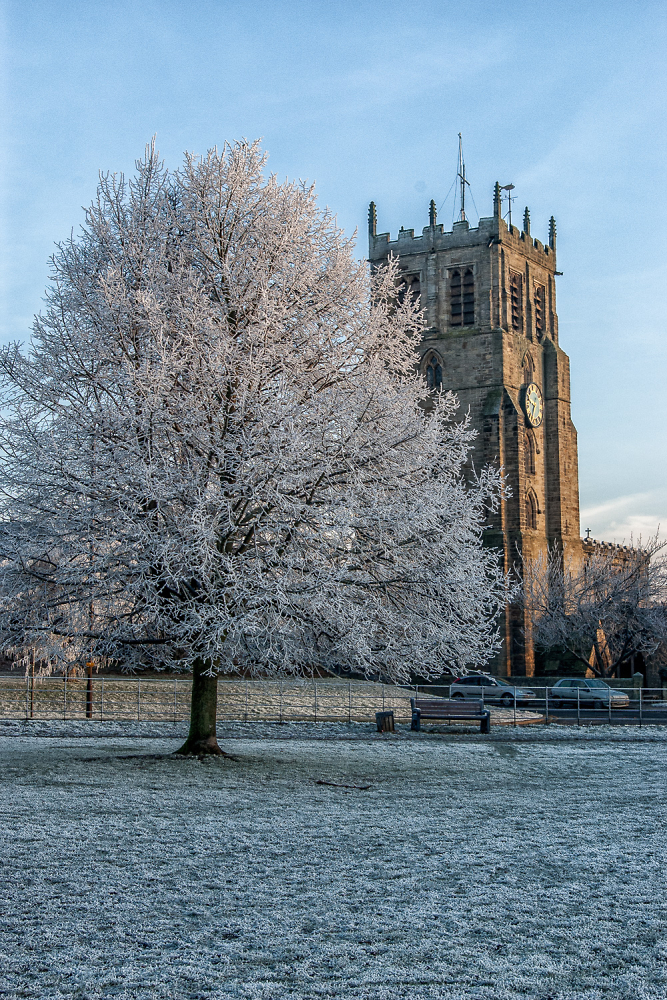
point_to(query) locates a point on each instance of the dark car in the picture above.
(492, 689)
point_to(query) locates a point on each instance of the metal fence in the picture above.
(322, 700)
(581, 706)
(168, 699)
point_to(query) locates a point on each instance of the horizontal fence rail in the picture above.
(581, 706)
(168, 699)
(293, 700)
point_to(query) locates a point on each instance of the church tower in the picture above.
(489, 300)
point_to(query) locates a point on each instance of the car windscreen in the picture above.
(596, 683)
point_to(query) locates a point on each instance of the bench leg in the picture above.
(416, 720)
(485, 724)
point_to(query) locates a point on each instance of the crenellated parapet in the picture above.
(493, 231)
(618, 554)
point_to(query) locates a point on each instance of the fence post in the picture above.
(27, 695)
(609, 705)
(281, 699)
(578, 707)
(349, 701)
(89, 689)
(138, 698)
(245, 717)
(315, 683)
(640, 706)
(383, 697)
(65, 695)
(174, 699)
(546, 702)
(102, 701)
(515, 704)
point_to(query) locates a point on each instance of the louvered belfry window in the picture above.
(462, 297)
(516, 303)
(538, 300)
(468, 298)
(455, 298)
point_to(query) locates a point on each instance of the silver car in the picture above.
(492, 689)
(589, 691)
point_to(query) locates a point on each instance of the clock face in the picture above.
(533, 404)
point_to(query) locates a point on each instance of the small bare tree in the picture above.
(603, 610)
(214, 454)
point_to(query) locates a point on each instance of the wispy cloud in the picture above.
(633, 516)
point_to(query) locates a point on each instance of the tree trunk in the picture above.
(203, 710)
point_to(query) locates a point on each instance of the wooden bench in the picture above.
(449, 709)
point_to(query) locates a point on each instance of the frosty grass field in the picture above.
(526, 864)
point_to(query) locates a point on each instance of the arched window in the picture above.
(433, 372)
(528, 368)
(531, 510)
(530, 452)
(462, 297)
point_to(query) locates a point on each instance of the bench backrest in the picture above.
(441, 706)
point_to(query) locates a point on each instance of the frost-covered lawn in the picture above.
(528, 864)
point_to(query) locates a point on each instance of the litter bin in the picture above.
(385, 722)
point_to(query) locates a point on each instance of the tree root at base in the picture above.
(207, 747)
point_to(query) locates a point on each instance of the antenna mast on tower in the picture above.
(461, 176)
(509, 188)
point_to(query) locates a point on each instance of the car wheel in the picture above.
(506, 701)
(457, 694)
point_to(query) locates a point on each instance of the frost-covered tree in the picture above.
(604, 609)
(215, 454)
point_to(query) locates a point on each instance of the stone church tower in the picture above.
(489, 298)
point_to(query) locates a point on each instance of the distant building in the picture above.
(489, 296)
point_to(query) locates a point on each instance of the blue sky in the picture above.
(566, 100)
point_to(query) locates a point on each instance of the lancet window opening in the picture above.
(433, 372)
(529, 452)
(531, 510)
(528, 368)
